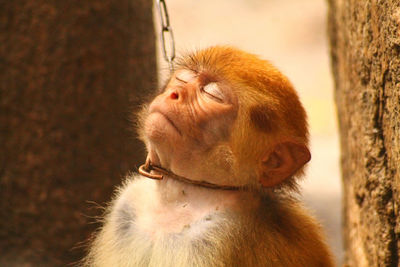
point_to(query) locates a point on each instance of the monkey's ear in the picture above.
(284, 160)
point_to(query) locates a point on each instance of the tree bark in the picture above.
(71, 72)
(365, 50)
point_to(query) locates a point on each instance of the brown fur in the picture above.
(271, 102)
(170, 223)
(263, 119)
(256, 81)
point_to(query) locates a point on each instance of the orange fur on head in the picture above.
(254, 136)
(269, 108)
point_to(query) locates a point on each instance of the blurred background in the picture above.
(292, 35)
(72, 74)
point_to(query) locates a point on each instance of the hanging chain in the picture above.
(169, 54)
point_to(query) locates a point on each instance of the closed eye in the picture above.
(185, 76)
(179, 79)
(212, 91)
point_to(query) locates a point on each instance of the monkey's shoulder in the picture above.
(289, 233)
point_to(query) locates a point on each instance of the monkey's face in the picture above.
(189, 121)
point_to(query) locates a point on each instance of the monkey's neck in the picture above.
(177, 203)
(169, 206)
(159, 173)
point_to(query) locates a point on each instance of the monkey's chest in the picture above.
(144, 216)
(176, 220)
(182, 233)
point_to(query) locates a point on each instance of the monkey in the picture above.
(227, 141)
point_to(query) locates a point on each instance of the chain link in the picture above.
(166, 30)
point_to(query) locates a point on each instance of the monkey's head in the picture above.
(228, 117)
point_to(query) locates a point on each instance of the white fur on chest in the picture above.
(149, 211)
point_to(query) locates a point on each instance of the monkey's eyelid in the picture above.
(179, 79)
(185, 76)
(213, 91)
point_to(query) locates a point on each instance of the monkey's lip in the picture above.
(167, 118)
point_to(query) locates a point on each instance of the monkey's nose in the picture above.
(174, 95)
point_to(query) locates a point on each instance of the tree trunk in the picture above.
(365, 50)
(70, 74)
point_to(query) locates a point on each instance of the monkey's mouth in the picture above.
(171, 122)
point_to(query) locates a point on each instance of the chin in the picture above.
(158, 128)
(154, 129)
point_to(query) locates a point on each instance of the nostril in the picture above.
(174, 95)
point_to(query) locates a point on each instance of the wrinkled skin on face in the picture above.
(189, 123)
